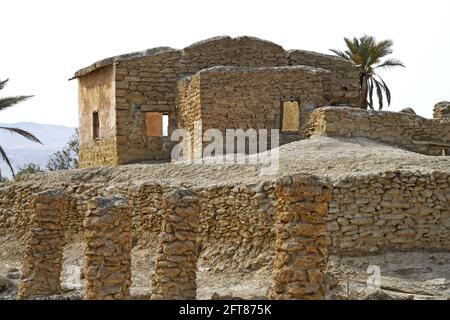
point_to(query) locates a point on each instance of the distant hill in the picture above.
(21, 151)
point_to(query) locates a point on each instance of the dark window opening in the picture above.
(95, 126)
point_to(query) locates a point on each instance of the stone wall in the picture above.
(301, 246)
(107, 232)
(189, 107)
(145, 84)
(236, 221)
(98, 153)
(407, 131)
(341, 85)
(236, 229)
(247, 98)
(42, 261)
(175, 276)
(237, 52)
(390, 211)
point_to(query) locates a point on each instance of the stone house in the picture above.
(130, 104)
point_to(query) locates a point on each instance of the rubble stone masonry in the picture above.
(248, 98)
(42, 261)
(340, 85)
(407, 131)
(301, 246)
(176, 262)
(399, 210)
(108, 249)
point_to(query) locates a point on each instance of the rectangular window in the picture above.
(95, 126)
(290, 116)
(157, 124)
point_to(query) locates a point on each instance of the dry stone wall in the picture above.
(341, 85)
(399, 210)
(98, 153)
(237, 218)
(189, 107)
(237, 222)
(407, 131)
(246, 98)
(237, 227)
(237, 52)
(108, 249)
(301, 246)
(42, 261)
(145, 84)
(175, 276)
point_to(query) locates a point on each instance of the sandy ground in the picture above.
(406, 275)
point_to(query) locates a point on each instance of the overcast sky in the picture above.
(44, 42)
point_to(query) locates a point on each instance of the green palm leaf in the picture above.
(368, 54)
(3, 83)
(11, 101)
(7, 103)
(27, 135)
(6, 159)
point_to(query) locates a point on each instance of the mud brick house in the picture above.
(130, 104)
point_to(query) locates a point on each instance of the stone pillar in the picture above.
(107, 231)
(301, 246)
(42, 262)
(175, 276)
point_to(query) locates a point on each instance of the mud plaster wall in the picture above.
(96, 93)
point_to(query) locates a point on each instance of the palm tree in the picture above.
(7, 103)
(367, 54)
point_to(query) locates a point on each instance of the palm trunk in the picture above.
(364, 93)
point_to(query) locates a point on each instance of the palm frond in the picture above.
(6, 159)
(390, 63)
(27, 135)
(385, 47)
(11, 101)
(379, 93)
(3, 83)
(386, 90)
(341, 54)
(352, 45)
(371, 94)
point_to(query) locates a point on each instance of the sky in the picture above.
(44, 42)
